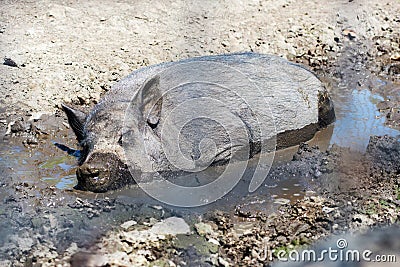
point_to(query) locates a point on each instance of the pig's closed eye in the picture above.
(153, 121)
(128, 135)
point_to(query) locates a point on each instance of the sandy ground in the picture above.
(74, 51)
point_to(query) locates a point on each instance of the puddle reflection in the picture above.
(357, 118)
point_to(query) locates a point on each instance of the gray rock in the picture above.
(128, 224)
(171, 226)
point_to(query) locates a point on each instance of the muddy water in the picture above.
(38, 165)
(358, 118)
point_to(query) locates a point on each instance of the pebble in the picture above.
(213, 241)
(16, 126)
(10, 62)
(171, 226)
(282, 201)
(128, 224)
(223, 262)
(327, 210)
(203, 229)
(136, 237)
(243, 228)
(349, 33)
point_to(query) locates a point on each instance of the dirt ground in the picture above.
(74, 51)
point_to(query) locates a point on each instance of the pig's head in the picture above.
(102, 165)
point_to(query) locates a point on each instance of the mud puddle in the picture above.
(358, 118)
(41, 165)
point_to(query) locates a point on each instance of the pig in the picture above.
(243, 92)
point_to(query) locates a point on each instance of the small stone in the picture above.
(303, 228)
(213, 248)
(310, 193)
(203, 229)
(136, 237)
(383, 105)
(394, 69)
(10, 62)
(281, 239)
(327, 210)
(152, 221)
(128, 224)
(31, 141)
(225, 43)
(385, 27)
(126, 247)
(223, 262)
(17, 127)
(395, 56)
(213, 241)
(66, 125)
(282, 201)
(213, 259)
(171, 226)
(244, 228)
(73, 248)
(349, 33)
(362, 220)
(35, 116)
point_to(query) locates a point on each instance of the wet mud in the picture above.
(346, 180)
(318, 177)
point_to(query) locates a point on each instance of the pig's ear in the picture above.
(76, 120)
(151, 101)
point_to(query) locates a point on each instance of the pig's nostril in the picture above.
(94, 171)
(88, 171)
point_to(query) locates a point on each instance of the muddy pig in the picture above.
(195, 113)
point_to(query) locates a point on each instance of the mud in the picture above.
(310, 197)
(342, 201)
(73, 52)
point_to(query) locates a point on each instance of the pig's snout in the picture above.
(102, 172)
(89, 171)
